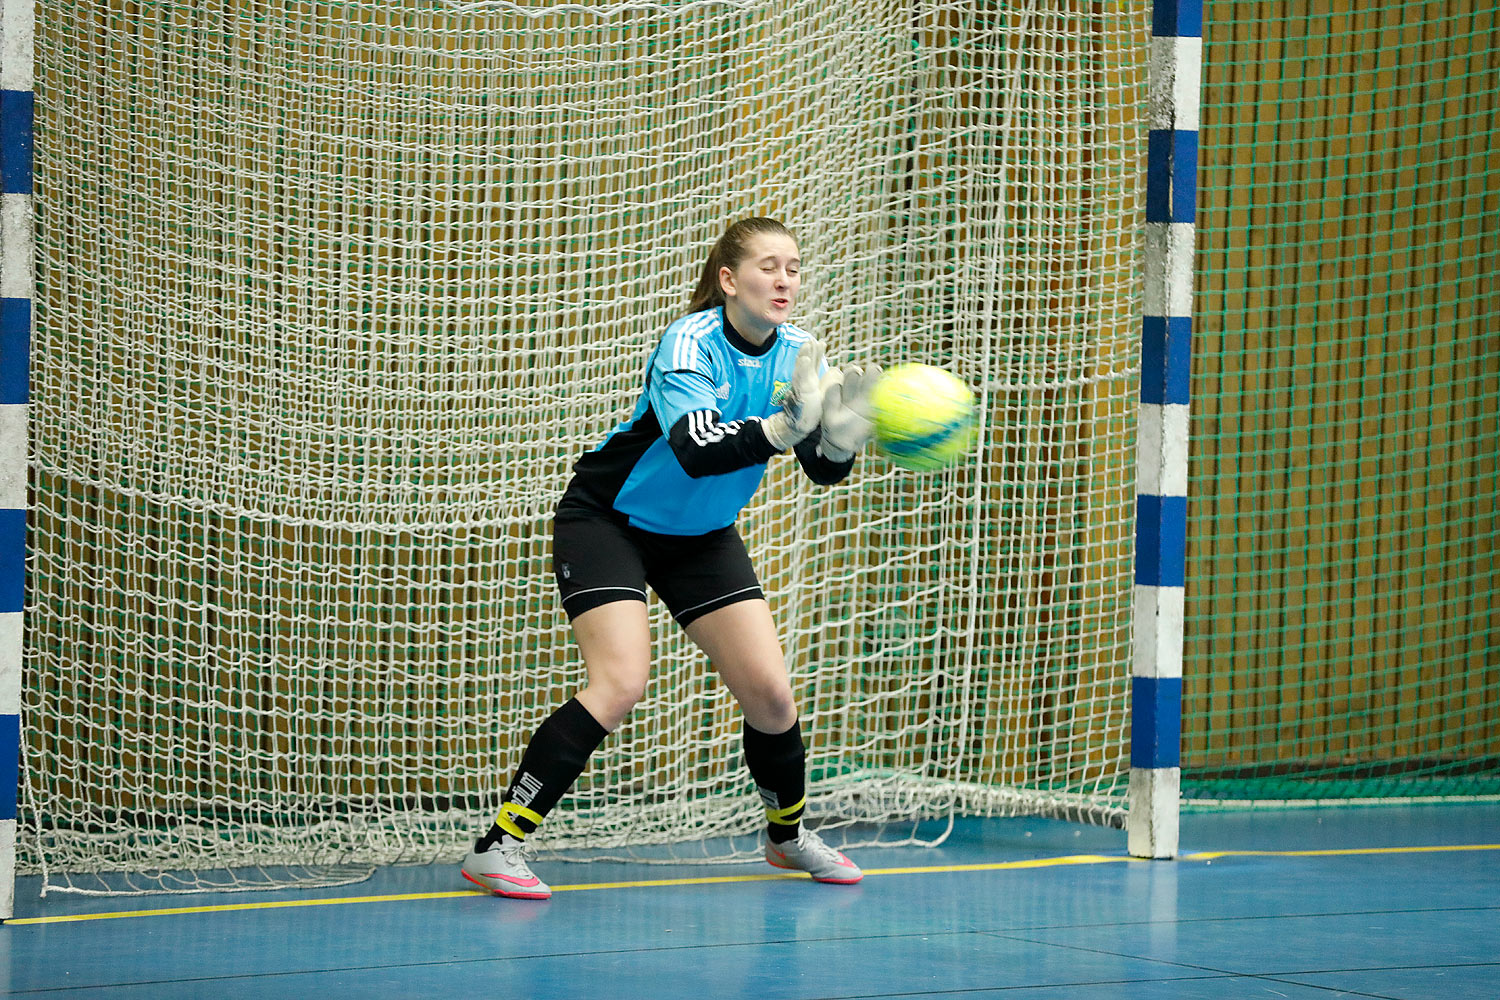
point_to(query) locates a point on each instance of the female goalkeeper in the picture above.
(731, 384)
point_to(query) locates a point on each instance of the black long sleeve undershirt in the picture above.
(823, 471)
(705, 446)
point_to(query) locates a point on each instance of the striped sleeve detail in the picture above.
(707, 446)
(705, 428)
(689, 336)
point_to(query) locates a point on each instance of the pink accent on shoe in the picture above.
(519, 883)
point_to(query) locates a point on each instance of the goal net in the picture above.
(331, 297)
(1343, 578)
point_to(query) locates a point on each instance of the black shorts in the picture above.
(598, 560)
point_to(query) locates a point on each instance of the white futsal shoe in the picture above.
(809, 854)
(503, 870)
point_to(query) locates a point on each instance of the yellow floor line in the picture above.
(1073, 859)
(1337, 852)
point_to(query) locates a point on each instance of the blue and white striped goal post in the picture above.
(1175, 69)
(17, 28)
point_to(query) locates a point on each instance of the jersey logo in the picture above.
(779, 392)
(749, 362)
(723, 391)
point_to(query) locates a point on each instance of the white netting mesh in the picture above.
(333, 294)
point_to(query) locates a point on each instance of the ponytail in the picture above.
(708, 294)
(728, 250)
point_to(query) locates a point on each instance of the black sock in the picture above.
(553, 760)
(778, 764)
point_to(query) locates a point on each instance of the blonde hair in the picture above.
(728, 251)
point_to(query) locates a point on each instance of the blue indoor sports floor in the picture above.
(1361, 902)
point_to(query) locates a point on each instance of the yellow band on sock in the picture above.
(506, 820)
(790, 816)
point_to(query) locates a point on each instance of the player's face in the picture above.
(763, 287)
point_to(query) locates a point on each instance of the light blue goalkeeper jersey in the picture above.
(693, 451)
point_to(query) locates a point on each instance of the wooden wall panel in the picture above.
(1346, 423)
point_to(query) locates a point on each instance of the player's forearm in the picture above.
(820, 469)
(706, 446)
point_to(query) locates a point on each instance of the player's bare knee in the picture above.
(611, 700)
(771, 710)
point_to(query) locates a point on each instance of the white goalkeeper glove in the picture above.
(846, 411)
(803, 407)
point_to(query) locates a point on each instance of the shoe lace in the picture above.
(813, 844)
(514, 850)
(517, 851)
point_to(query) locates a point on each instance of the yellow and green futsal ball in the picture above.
(923, 415)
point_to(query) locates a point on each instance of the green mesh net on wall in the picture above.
(1342, 633)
